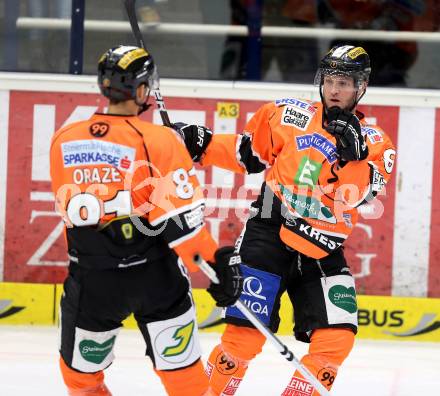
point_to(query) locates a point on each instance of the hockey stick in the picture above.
(130, 7)
(282, 348)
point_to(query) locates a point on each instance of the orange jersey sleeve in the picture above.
(251, 151)
(177, 199)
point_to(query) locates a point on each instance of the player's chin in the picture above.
(337, 104)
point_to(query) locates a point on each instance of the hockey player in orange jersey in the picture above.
(132, 205)
(323, 160)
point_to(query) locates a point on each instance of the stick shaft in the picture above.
(282, 348)
(130, 7)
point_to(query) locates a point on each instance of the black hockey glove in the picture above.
(196, 138)
(345, 126)
(227, 268)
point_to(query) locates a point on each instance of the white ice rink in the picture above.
(28, 367)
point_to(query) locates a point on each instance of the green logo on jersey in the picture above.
(308, 172)
(308, 206)
(343, 298)
(94, 352)
(183, 335)
(127, 230)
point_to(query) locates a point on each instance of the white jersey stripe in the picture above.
(186, 237)
(172, 213)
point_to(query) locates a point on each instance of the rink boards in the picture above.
(391, 318)
(393, 250)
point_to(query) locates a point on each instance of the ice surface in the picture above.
(29, 366)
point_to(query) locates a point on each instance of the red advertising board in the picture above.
(34, 244)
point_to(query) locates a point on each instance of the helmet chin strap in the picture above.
(355, 102)
(143, 107)
(360, 97)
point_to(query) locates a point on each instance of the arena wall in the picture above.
(380, 317)
(395, 254)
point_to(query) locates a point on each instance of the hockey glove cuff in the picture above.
(196, 138)
(345, 126)
(227, 267)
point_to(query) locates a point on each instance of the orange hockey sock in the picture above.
(82, 384)
(228, 362)
(328, 349)
(189, 381)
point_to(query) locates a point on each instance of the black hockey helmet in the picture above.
(349, 61)
(122, 69)
(345, 60)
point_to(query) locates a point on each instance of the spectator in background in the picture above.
(391, 59)
(233, 62)
(292, 57)
(41, 8)
(38, 53)
(148, 12)
(295, 57)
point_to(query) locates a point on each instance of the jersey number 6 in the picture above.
(86, 209)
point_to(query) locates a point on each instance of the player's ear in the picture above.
(142, 93)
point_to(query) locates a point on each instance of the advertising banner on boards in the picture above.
(384, 257)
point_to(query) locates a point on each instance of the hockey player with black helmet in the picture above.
(119, 80)
(134, 219)
(322, 161)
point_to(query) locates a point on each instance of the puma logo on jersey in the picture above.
(318, 142)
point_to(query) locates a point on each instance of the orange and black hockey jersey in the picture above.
(127, 192)
(317, 195)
